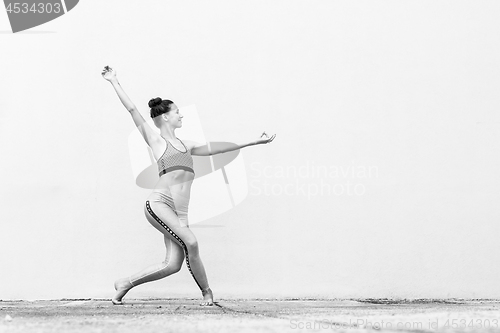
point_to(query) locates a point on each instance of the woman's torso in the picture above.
(173, 155)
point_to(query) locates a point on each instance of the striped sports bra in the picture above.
(173, 159)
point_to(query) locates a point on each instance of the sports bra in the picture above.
(173, 159)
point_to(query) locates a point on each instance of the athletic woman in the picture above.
(166, 208)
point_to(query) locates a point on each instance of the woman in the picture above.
(166, 208)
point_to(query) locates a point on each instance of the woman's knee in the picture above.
(192, 246)
(172, 266)
(175, 267)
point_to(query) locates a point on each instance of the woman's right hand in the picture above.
(109, 74)
(267, 139)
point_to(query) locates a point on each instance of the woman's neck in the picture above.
(168, 133)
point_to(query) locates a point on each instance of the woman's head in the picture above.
(164, 111)
(159, 106)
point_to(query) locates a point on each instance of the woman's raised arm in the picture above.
(110, 74)
(146, 131)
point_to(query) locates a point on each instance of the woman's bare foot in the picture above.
(208, 297)
(122, 286)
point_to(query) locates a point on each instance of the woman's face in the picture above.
(174, 117)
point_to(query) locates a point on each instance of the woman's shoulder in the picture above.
(190, 144)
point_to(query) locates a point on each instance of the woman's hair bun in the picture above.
(159, 106)
(154, 102)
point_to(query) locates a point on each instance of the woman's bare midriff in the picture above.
(179, 181)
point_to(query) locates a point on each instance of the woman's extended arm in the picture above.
(207, 150)
(146, 131)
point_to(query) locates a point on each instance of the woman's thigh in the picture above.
(174, 252)
(164, 218)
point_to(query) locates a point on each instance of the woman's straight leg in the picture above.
(172, 264)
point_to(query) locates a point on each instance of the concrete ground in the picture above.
(251, 315)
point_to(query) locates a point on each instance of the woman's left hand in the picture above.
(264, 138)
